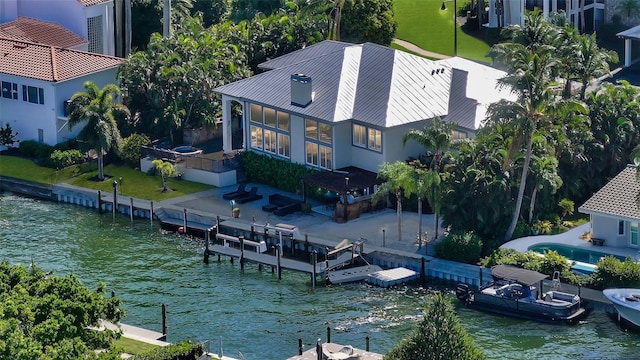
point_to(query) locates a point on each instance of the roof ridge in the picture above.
(54, 64)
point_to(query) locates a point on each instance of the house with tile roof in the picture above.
(100, 22)
(335, 104)
(36, 80)
(614, 211)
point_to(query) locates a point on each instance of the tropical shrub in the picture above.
(7, 136)
(130, 152)
(183, 350)
(63, 159)
(461, 247)
(281, 174)
(553, 262)
(438, 336)
(612, 272)
(566, 207)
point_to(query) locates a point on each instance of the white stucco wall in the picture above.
(606, 227)
(296, 124)
(26, 118)
(342, 144)
(73, 16)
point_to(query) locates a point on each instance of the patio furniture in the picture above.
(240, 191)
(251, 195)
(282, 205)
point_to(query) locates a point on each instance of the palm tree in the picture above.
(530, 76)
(398, 176)
(436, 135)
(95, 108)
(166, 170)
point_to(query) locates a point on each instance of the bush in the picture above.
(35, 150)
(553, 262)
(281, 174)
(511, 257)
(612, 272)
(63, 159)
(130, 152)
(461, 247)
(566, 207)
(522, 229)
(183, 350)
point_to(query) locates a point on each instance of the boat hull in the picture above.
(626, 302)
(526, 309)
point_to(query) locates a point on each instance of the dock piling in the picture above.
(328, 334)
(366, 342)
(131, 208)
(164, 320)
(151, 213)
(241, 238)
(314, 259)
(185, 220)
(99, 202)
(115, 199)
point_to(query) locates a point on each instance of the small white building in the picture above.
(614, 211)
(37, 79)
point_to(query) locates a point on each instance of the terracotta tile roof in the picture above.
(41, 32)
(617, 198)
(92, 2)
(50, 63)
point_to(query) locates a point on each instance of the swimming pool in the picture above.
(573, 253)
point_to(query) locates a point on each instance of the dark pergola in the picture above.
(341, 181)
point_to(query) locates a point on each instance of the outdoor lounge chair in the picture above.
(240, 191)
(251, 195)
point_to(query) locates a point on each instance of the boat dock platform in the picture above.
(392, 277)
(336, 351)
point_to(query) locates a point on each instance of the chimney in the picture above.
(301, 94)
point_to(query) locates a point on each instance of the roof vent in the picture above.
(301, 90)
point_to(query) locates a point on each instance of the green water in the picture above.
(250, 310)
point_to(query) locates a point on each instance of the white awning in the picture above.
(633, 33)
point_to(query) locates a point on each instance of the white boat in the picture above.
(627, 303)
(352, 274)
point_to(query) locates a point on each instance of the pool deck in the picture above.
(569, 238)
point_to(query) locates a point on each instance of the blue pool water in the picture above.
(573, 253)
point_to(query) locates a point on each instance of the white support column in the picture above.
(554, 5)
(545, 9)
(627, 52)
(226, 124)
(493, 17)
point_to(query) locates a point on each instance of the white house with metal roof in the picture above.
(614, 212)
(336, 104)
(37, 79)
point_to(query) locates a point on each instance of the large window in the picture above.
(325, 157)
(633, 241)
(458, 135)
(94, 34)
(312, 153)
(9, 90)
(283, 121)
(620, 227)
(284, 145)
(33, 94)
(367, 137)
(325, 133)
(375, 140)
(270, 130)
(311, 129)
(256, 137)
(270, 141)
(256, 113)
(269, 117)
(359, 135)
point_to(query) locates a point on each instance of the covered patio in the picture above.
(629, 36)
(349, 189)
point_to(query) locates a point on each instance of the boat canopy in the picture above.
(521, 276)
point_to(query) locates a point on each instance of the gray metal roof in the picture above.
(306, 53)
(633, 33)
(368, 83)
(617, 198)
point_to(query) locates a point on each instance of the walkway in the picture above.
(418, 50)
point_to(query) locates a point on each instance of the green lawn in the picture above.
(134, 182)
(133, 347)
(20, 168)
(423, 23)
(137, 184)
